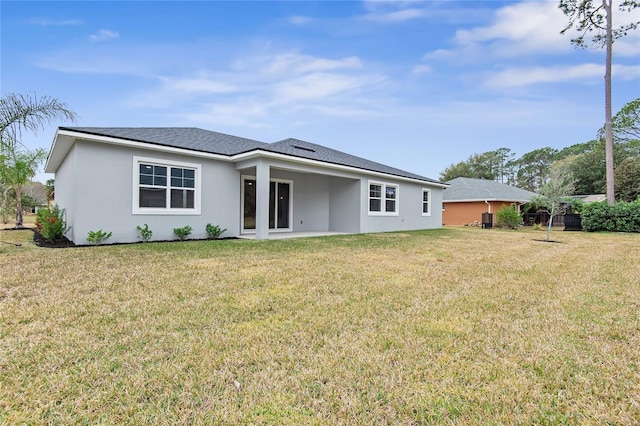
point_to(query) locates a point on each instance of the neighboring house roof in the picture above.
(591, 198)
(210, 142)
(469, 189)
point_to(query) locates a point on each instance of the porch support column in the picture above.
(262, 199)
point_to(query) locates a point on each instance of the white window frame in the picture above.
(168, 210)
(428, 191)
(383, 199)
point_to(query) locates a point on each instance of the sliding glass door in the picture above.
(279, 205)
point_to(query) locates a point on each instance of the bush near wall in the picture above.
(507, 217)
(51, 224)
(621, 217)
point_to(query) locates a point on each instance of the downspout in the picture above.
(489, 208)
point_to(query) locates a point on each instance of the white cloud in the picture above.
(104, 35)
(243, 113)
(521, 29)
(521, 41)
(300, 20)
(319, 85)
(629, 46)
(534, 27)
(297, 64)
(46, 22)
(396, 11)
(438, 54)
(244, 89)
(395, 16)
(375, 5)
(518, 77)
(201, 84)
(141, 60)
(393, 11)
(421, 69)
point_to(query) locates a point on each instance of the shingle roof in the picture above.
(190, 138)
(469, 189)
(312, 151)
(200, 140)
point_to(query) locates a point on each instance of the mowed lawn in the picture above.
(450, 326)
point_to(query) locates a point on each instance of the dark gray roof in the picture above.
(200, 140)
(190, 138)
(469, 189)
(303, 149)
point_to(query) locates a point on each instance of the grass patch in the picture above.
(458, 325)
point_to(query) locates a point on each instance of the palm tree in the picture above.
(20, 113)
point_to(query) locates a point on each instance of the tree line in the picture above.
(582, 164)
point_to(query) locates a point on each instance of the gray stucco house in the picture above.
(117, 178)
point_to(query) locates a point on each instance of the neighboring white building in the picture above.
(118, 178)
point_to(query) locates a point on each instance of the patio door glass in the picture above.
(249, 207)
(279, 205)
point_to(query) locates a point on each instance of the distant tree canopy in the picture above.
(492, 165)
(626, 123)
(628, 179)
(583, 164)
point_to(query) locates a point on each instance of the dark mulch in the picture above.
(64, 242)
(40, 241)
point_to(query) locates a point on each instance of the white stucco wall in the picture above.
(340, 202)
(65, 189)
(310, 200)
(409, 208)
(95, 184)
(102, 195)
(344, 205)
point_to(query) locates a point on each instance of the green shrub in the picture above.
(597, 217)
(145, 233)
(621, 217)
(507, 217)
(98, 237)
(183, 232)
(7, 208)
(51, 224)
(577, 205)
(214, 231)
(5, 214)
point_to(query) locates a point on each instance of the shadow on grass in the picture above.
(549, 241)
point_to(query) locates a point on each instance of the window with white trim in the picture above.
(165, 187)
(375, 197)
(426, 202)
(383, 198)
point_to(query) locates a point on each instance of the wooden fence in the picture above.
(571, 222)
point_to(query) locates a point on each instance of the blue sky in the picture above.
(415, 85)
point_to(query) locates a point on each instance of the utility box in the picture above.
(572, 222)
(487, 220)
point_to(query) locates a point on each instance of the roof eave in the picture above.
(60, 146)
(302, 160)
(66, 137)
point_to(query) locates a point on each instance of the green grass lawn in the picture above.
(451, 326)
